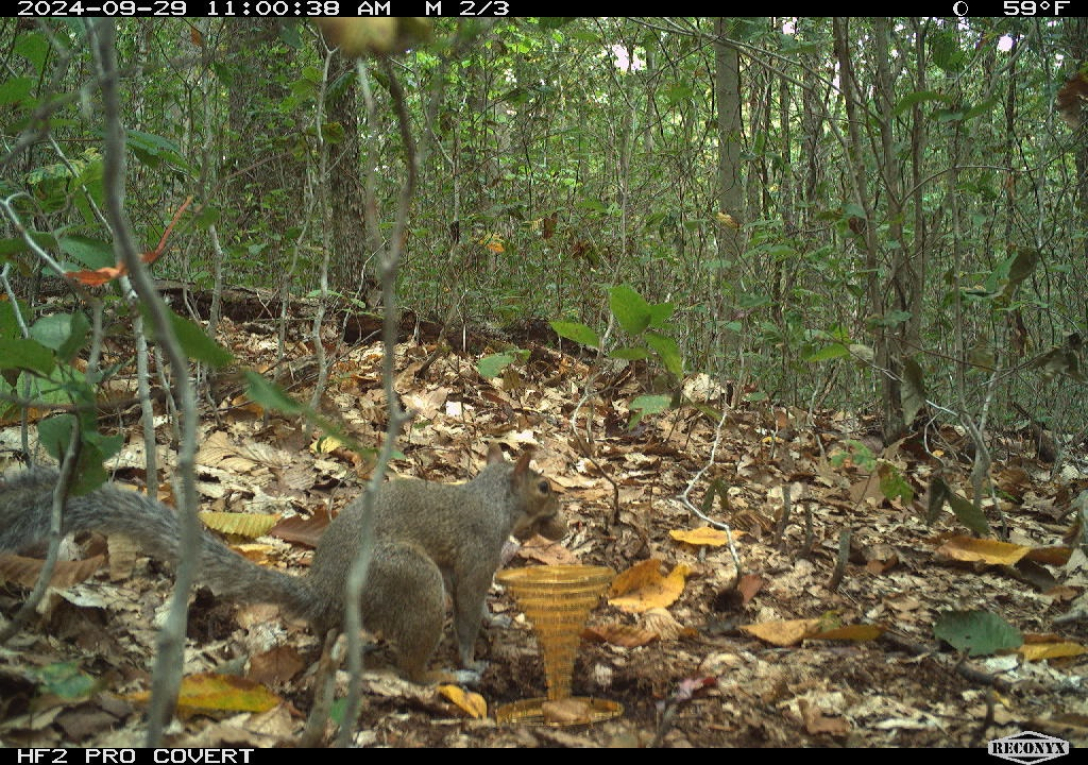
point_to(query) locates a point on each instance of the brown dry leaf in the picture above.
(816, 722)
(123, 553)
(902, 603)
(209, 692)
(217, 450)
(867, 489)
(783, 633)
(25, 571)
(1051, 556)
(642, 587)
(749, 586)
(856, 632)
(661, 622)
(301, 530)
(278, 665)
(545, 551)
(704, 535)
(879, 558)
(248, 525)
(472, 704)
(985, 550)
(622, 635)
(427, 405)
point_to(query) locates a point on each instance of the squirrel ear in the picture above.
(494, 454)
(523, 462)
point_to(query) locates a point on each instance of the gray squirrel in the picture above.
(426, 536)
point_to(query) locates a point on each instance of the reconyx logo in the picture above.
(1028, 747)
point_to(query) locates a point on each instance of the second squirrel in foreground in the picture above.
(425, 535)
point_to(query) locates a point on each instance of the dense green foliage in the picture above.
(914, 203)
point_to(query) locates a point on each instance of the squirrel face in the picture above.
(543, 516)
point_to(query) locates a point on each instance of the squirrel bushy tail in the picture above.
(26, 500)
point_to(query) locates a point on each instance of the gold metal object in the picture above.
(557, 600)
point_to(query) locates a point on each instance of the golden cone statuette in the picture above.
(557, 600)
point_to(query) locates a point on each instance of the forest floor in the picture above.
(781, 656)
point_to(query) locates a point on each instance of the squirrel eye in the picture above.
(544, 487)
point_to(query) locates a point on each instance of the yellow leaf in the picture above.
(1041, 651)
(704, 535)
(492, 242)
(472, 704)
(783, 633)
(325, 445)
(249, 525)
(642, 587)
(985, 550)
(727, 220)
(857, 632)
(220, 693)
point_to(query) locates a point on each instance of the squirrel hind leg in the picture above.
(405, 601)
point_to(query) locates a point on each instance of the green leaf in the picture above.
(15, 89)
(979, 633)
(16, 353)
(196, 343)
(969, 515)
(946, 52)
(917, 97)
(34, 48)
(91, 253)
(828, 352)
(892, 318)
(893, 485)
(55, 433)
(492, 366)
(858, 453)
(661, 313)
(579, 333)
(644, 405)
(555, 22)
(1021, 267)
(852, 210)
(9, 323)
(937, 496)
(63, 332)
(630, 309)
(270, 396)
(153, 149)
(66, 681)
(668, 351)
(106, 447)
(273, 397)
(629, 353)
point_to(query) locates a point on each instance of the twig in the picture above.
(324, 692)
(784, 519)
(685, 498)
(166, 678)
(840, 563)
(962, 668)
